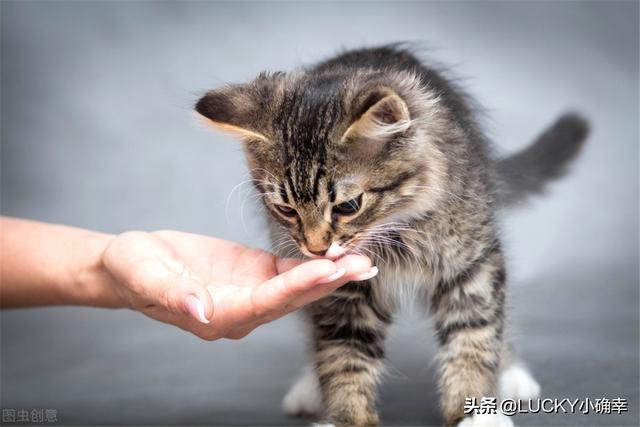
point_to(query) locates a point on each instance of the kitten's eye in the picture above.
(287, 211)
(349, 207)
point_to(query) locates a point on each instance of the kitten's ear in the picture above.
(378, 114)
(238, 109)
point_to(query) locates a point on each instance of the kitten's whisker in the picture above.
(228, 200)
(252, 197)
(357, 248)
(400, 227)
(355, 245)
(383, 244)
(278, 181)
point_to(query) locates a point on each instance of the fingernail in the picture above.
(335, 276)
(366, 276)
(196, 308)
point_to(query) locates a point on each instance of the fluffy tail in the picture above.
(529, 171)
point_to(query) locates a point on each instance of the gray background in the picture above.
(97, 132)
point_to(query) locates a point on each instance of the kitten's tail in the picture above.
(528, 171)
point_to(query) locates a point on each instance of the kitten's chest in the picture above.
(409, 272)
(432, 250)
(398, 286)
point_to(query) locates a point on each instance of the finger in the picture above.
(143, 264)
(173, 286)
(206, 332)
(275, 294)
(198, 307)
(285, 264)
(352, 262)
(190, 296)
(356, 266)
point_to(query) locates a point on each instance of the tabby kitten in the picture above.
(374, 152)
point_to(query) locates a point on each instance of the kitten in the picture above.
(374, 152)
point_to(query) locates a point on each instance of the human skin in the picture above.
(210, 287)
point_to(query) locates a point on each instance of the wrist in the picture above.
(93, 283)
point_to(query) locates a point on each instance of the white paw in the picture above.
(517, 383)
(322, 425)
(486, 420)
(303, 398)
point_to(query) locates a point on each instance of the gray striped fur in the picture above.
(379, 123)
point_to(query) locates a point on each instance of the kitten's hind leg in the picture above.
(303, 398)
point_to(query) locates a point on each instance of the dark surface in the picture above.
(97, 132)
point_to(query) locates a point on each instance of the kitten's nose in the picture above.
(317, 239)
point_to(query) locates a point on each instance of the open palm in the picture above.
(215, 288)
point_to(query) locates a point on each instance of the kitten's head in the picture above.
(338, 157)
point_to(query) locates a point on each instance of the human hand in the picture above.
(215, 288)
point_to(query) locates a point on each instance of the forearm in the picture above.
(45, 264)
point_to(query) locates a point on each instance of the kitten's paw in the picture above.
(303, 399)
(517, 383)
(486, 420)
(322, 425)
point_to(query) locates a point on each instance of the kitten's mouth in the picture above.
(335, 251)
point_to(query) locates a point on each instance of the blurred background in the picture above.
(97, 132)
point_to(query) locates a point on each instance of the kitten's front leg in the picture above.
(468, 312)
(349, 331)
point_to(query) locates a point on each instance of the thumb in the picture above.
(186, 293)
(174, 287)
(198, 303)
(150, 275)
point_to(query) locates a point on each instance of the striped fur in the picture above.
(349, 328)
(378, 126)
